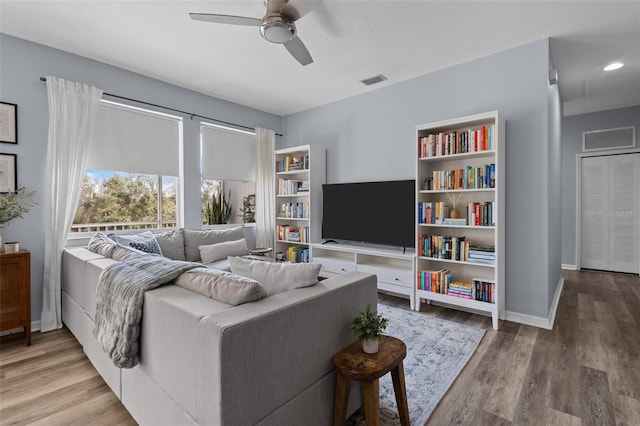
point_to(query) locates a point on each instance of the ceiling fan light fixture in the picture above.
(613, 66)
(278, 31)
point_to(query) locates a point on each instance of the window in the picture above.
(132, 175)
(228, 174)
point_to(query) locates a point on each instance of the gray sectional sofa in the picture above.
(202, 361)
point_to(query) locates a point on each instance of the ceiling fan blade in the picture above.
(296, 9)
(226, 19)
(298, 50)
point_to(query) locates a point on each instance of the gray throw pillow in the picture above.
(121, 253)
(222, 286)
(196, 238)
(101, 244)
(212, 252)
(172, 244)
(277, 277)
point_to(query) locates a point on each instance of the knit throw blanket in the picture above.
(119, 300)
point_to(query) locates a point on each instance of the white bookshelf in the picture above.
(443, 174)
(302, 213)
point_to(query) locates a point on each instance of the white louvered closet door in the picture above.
(624, 190)
(610, 213)
(594, 238)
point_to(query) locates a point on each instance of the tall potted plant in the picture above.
(368, 326)
(218, 210)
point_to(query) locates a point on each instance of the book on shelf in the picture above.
(299, 210)
(292, 163)
(288, 187)
(477, 139)
(482, 254)
(484, 290)
(432, 212)
(298, 254)
(468, 177)
(303, 186)
(443, 247)
(460, 221)
(435, 281)
(442, 281)
(481, 214)
(294, 234)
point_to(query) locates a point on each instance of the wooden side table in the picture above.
(15, 292)
(353, 364)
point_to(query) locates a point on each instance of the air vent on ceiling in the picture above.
(373, 80)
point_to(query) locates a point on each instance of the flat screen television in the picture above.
(370, 212)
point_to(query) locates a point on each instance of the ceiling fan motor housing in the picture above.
(277, 29)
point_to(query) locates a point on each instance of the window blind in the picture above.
(227, 154)
(135, 140)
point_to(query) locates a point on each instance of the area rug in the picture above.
(437, 350)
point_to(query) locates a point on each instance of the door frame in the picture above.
(579, 157)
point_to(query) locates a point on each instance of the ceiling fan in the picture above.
(277, 26)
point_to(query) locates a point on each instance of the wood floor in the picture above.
(584, 371)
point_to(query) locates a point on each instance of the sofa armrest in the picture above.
(257, 356)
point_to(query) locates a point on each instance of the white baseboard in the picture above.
(540, 322)
(569, 267)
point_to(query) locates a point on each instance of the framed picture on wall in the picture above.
(8, 123)
(8, 173)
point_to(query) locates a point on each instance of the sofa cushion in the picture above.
(212, 252)
(101, 244)
(144, 241)
(222, 286)
(172, 244)
(194, 238)
(277, 277)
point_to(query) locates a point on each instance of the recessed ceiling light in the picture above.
(613, 66)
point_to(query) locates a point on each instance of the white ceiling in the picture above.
(349, 41)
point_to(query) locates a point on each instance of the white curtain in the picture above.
(265, 188)
(72, 115)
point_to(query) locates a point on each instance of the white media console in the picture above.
(394, 268)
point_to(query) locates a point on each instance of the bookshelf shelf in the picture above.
(467, 155)
(298, 212)
(436, 225)
(293, 172)
(462, 262)
(478, 154)
(444, 191)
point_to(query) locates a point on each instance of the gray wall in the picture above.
(554, 188)
(372, 136)
(572, 129)
(22, 63)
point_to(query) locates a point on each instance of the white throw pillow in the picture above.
(277, 277)
(212, 252)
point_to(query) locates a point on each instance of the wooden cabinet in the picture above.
(15, 292)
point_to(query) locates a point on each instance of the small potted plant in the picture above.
(13, 205)
(368, 327)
